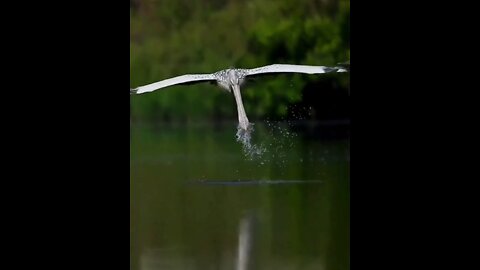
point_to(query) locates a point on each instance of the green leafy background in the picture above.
(174, 37)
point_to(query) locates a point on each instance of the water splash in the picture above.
(252, 151)
(277, 141)
(281, 144)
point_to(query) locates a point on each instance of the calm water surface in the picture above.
(199, 201)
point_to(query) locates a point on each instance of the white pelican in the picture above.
(231, 79)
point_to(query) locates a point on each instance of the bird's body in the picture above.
(231, 79)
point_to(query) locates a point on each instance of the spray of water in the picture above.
(274, 147)
(252, 151)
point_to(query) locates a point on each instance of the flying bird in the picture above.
(231, 79)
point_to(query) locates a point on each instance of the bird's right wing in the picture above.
(172, 81)
(285, 68)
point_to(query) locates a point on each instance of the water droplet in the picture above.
(252, 151)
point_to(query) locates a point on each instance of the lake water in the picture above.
(198, 200)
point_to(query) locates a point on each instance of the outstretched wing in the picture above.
(284, 68)
(172, 81)
(345, 65)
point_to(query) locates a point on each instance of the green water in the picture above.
(180, 220)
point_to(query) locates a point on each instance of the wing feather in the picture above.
(172, 81)
(285, 68)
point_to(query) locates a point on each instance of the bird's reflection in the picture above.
(246, 237)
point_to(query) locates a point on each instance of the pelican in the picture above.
(231, 79)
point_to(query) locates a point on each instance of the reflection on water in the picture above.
(245, 243)
(198, 203)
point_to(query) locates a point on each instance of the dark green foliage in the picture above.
(174, 37)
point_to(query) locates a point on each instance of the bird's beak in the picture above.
(242, 116)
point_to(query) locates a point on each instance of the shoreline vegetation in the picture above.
(202, 36)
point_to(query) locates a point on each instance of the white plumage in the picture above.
(172, 81)
(284, 68)
(231, 79)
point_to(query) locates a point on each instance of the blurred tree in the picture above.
(173, 37)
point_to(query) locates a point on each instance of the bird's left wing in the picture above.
(285, 68)
(172, 81)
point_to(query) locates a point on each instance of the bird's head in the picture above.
(233, 78)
